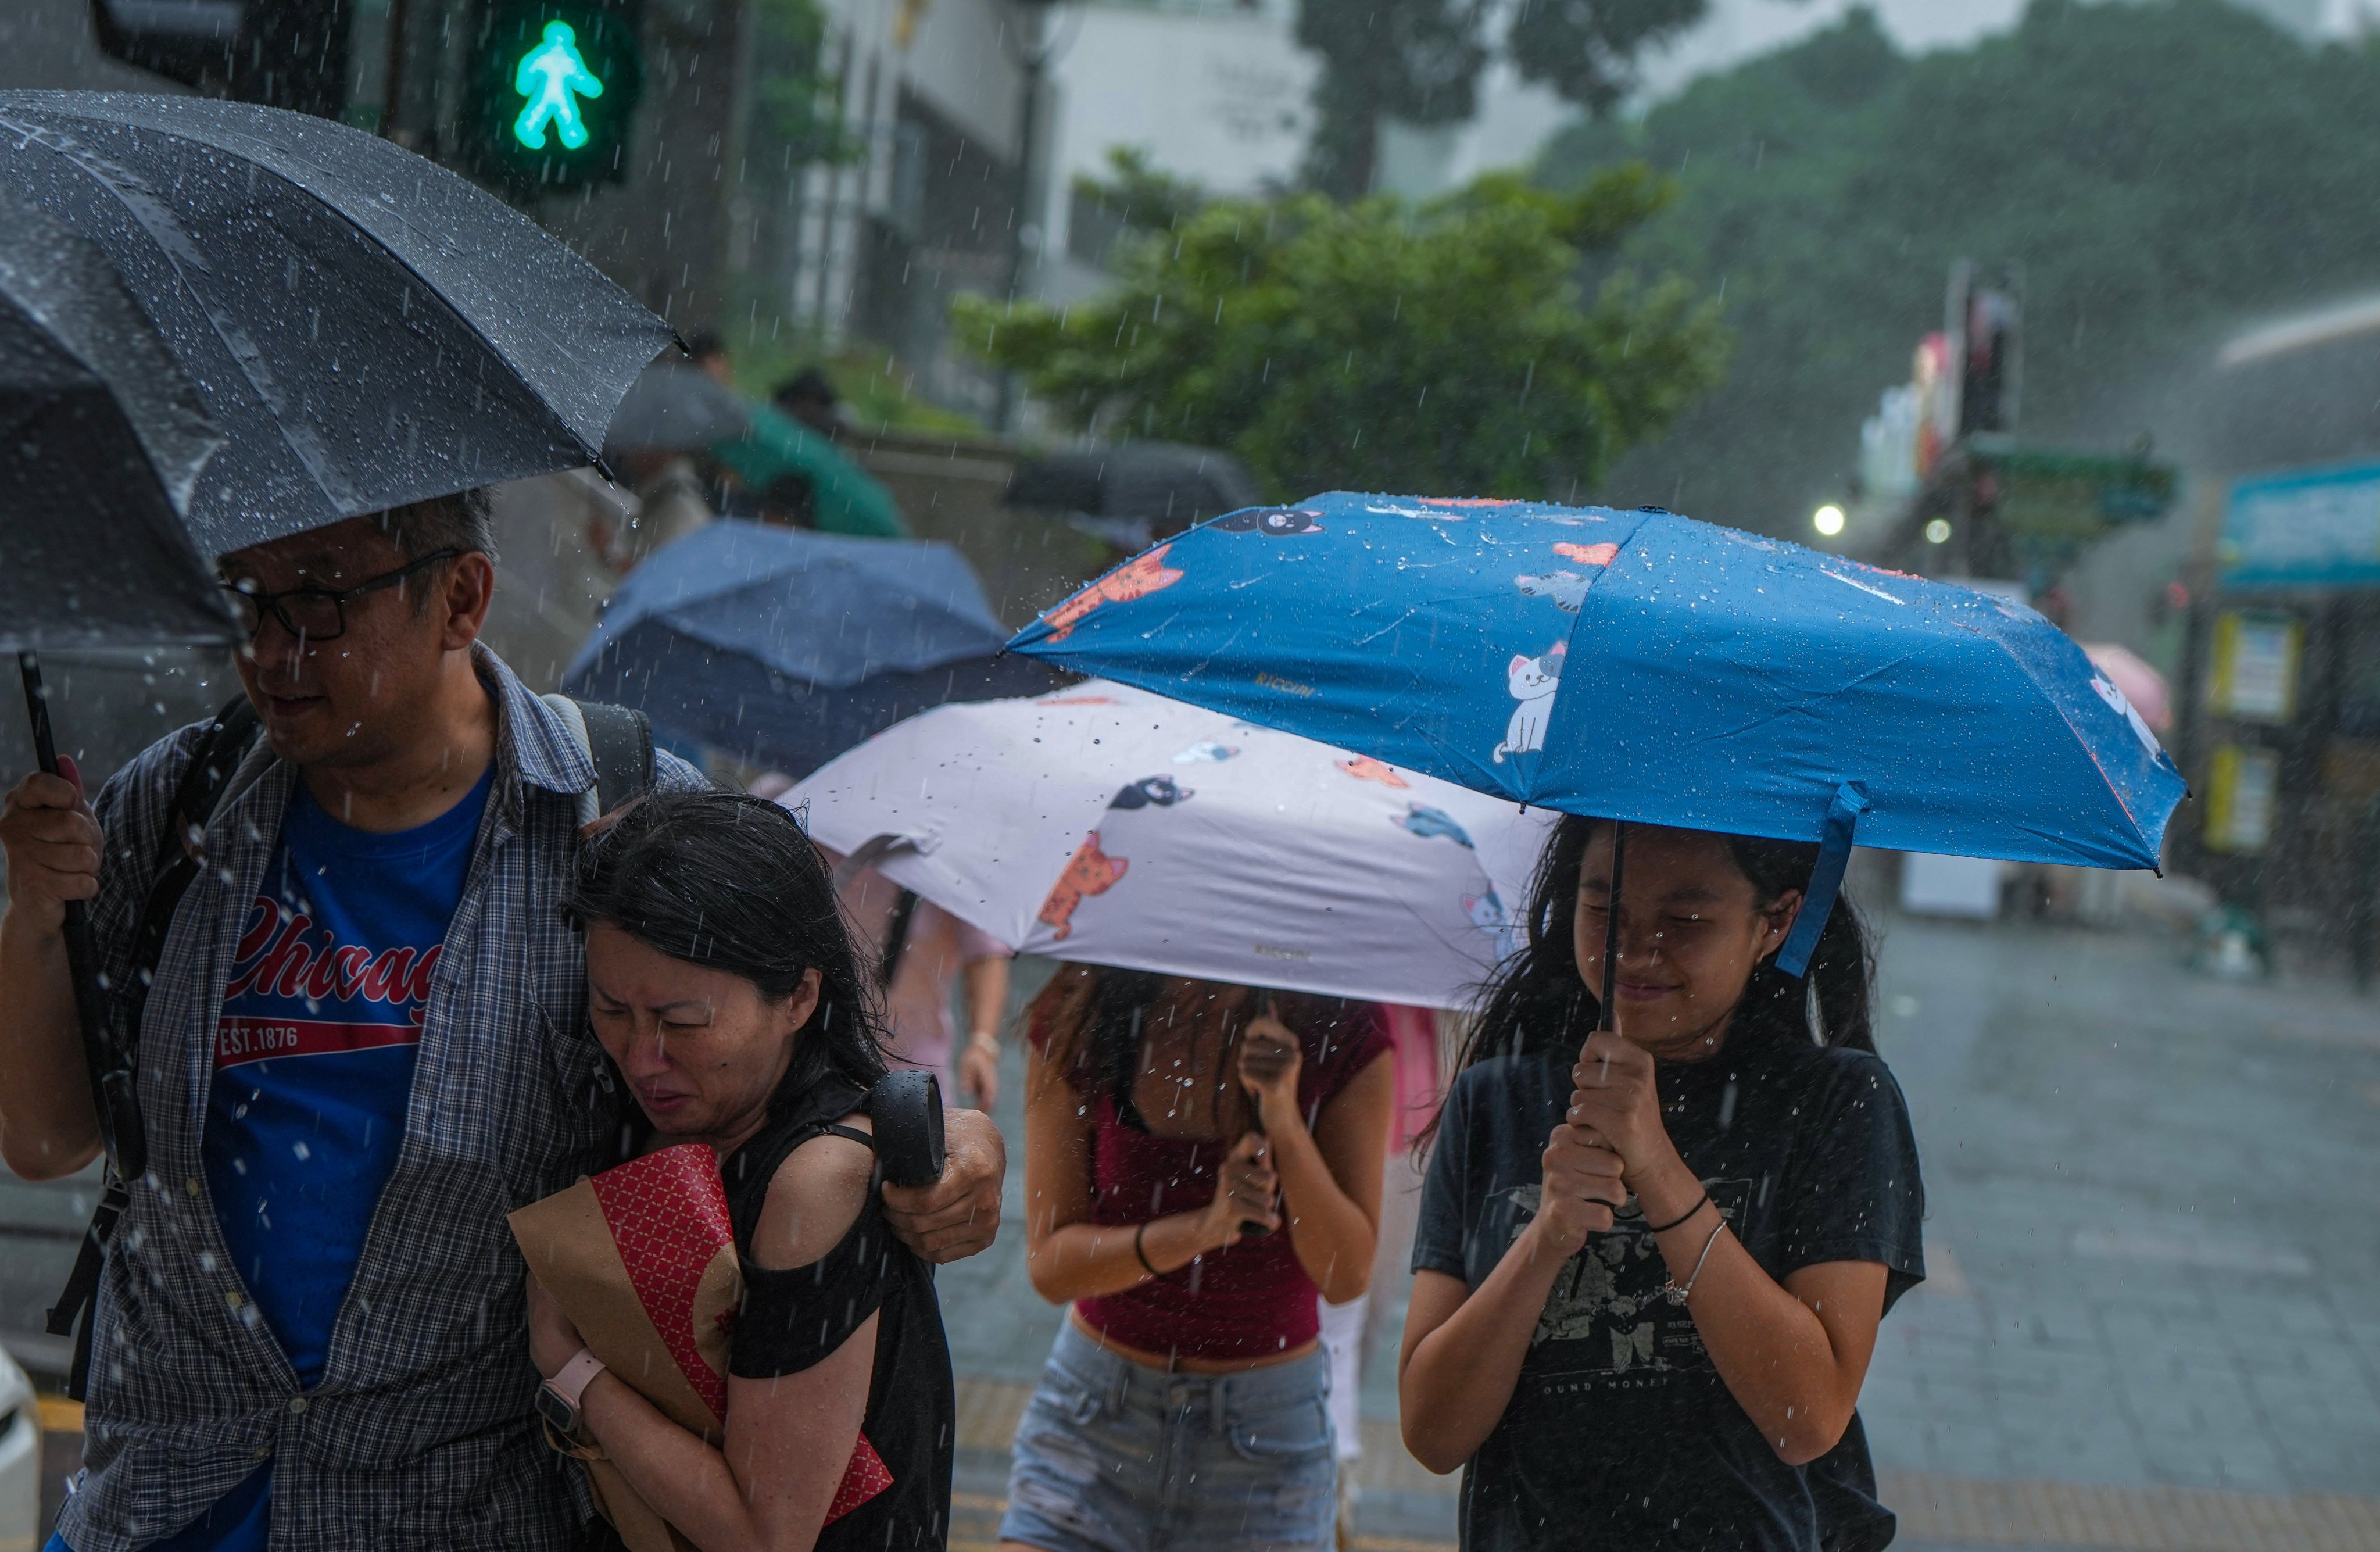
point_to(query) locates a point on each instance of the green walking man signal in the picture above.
(552, 93)
(554, 75)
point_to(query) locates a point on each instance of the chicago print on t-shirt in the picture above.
(314, 1053)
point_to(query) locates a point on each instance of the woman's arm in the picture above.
(767, 1489)
(986, 997)
(1070, 1257)
(789, 1439)
(1464, 1347)
(1793, 1355)
(1330, 1176)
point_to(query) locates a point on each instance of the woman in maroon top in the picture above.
(1200, 1160)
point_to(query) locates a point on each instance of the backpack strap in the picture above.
(218, 755)
(220, 751)
(618, 740)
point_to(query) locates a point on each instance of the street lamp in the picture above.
(1938, 531)
(1827, 519)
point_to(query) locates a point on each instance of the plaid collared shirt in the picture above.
(420, 1434)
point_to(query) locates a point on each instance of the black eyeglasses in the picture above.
(315, 613)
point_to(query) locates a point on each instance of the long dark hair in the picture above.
(1536, 1000)
(1092, 1023)
(731, 882)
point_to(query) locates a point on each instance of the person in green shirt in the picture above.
(842, 497)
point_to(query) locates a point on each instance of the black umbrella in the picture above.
(1164, 485)
(367, 328)
(102, 439)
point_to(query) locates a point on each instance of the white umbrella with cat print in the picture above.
(1111, 826)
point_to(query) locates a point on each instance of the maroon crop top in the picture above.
(1252, 1298)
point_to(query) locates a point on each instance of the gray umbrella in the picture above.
(675, 408)
(1165, 485)
(367, 328)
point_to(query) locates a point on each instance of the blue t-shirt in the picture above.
(314, 1056)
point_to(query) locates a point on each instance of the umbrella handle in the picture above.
(112, 1094)
(1249, 1227)
(1609, 1011)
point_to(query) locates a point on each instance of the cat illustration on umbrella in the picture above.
(1275, 522)
(1532, 682)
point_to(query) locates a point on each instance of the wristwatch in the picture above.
(557, 1398)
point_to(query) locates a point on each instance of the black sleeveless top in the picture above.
(794, 1319)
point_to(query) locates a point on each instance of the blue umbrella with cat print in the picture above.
(1641, 666)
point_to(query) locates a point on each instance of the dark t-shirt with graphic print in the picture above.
(1619, 1433)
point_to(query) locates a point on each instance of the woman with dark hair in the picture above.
(1200, 1160)
(726, 990)
(1652, 1258)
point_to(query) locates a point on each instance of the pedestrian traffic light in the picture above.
(552, 92)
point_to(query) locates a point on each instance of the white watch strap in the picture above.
(571, 1381)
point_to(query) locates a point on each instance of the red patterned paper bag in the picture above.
(642, 1259)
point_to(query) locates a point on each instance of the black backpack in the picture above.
(618, 740)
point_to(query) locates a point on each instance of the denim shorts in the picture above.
(1114, 1456)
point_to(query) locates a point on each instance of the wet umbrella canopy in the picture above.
(675, 408)
(1640, 666)
(1111, 826)
(101, 438)
(788, 648)
(364, 328)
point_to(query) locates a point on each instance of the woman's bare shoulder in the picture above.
(814, 1199)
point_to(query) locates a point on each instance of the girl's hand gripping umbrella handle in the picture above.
(1271, 1062)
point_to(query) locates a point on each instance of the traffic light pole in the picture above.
(1033, 62)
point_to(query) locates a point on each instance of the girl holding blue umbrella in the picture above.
(1652, 1260)
(1661, 1223)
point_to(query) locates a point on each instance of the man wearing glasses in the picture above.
(365, 1042)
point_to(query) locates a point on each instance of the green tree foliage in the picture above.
(1586, 49)
(2158, 169)
(1134, 197)
(1443, 350)
(1418, 62)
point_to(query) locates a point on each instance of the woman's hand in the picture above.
(1246, 1190)
(1617, 1100)
(957, 1216)
(1614, 1096)
(1582, 1188)
(1270, 1061)
(552, 1340)
(980, 1071)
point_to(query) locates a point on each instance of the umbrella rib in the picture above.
(431, 238)
(165, 228)
(2109, 781)
(1800, 703)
